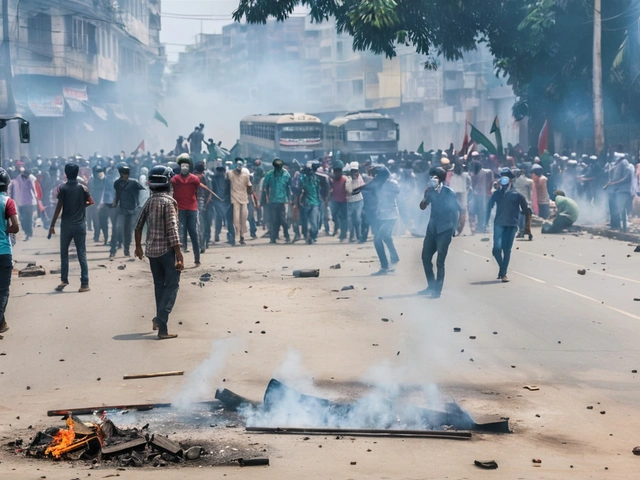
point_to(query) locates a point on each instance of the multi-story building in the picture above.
(86, 73)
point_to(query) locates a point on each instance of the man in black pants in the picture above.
(445, 215)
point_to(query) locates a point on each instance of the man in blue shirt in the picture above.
(445, 216)
(509, 206)
(8, 226)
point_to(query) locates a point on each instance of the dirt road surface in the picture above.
(574, 336)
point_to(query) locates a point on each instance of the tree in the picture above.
(543, 47)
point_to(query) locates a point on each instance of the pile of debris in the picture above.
(105, 441)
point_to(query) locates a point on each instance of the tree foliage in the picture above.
(544, 47)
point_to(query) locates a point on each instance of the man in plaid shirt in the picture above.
(160, 213)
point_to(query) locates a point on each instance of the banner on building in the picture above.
(78, 93)
(46, 105)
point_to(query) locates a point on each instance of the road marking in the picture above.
(530, 278)
(630, 315)
(576, 293)
(582, 266)
(476, 255)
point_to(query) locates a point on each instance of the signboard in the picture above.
(78, 93)
(43, 105)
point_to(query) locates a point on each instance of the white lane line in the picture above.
(630, 315)
(581, 266)
(576, 293)
(476, 255)
(517, 273)
(530, 278)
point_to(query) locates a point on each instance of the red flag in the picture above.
(543, 139)
(140, 148)
(465, 142)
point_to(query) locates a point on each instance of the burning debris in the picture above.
(105, 443)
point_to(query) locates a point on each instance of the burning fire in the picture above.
(62, 440)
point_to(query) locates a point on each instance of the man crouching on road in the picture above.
(160, 213)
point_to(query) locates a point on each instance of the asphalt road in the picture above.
(573, 336)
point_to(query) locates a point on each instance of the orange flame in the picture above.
(61, 440)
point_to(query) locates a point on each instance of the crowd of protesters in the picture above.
(220, 198)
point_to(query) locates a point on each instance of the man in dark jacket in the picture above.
(509, 206)
(445, 216)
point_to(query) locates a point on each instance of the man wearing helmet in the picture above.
(162, 247)
(8, 226)
(127, 200)
(509, 206)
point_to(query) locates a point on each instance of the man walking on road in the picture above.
(444, 220)
(23, 191)
(8, 225)
(277, 189)
(127, 202)
(162, 247)
(509, 206)
(241, 189)
(73, 200)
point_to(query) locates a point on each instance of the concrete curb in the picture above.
(612, 234)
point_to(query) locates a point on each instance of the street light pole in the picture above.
(598, 107)
(10, 135)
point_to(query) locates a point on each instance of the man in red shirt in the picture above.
(185, 188)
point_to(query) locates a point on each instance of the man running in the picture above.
(444, 219)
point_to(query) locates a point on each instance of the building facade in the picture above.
(86, 73)
(300, 66)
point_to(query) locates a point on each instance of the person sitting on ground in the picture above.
(568, 213)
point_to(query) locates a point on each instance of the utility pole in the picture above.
(598, 107)
(10, 134)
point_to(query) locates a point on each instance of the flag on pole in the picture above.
(139, 148)
(420, 150)
(465, 141)
(160, 118)
(543, 139)
(495, 128)
(478, 137)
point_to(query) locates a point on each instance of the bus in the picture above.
(362, 135)
(284, 135)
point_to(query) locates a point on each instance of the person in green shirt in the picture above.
(277, 189)
(310, 203)
(568, 213)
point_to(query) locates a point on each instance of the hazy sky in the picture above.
(207, 16)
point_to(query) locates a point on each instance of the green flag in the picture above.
(478, 137)
(495, 128)
(420, 150)
(160, 118)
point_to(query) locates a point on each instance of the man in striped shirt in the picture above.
(160, 213)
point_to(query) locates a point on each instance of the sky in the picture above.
(206, 16)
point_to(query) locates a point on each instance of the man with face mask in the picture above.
(126, 201)
(241, 189)
(185, 189)
(443, 222)
(509, 206)
(277, 191)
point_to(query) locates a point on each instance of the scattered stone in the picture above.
(353, 463)
(472, 337)
(489, 465)
(335, 267)
(121, 267)
(263, 332)
(532, 388)
(457, 329)
(347, 287)
(265, 307)
(634, 371)
(495, 333)
(193, 453)
(384, 319)
(513, 366)
(636, 450)
(536, 460)
(602, 412)
(471, 360)
(582, 272)
(590, 407)
(28, 387)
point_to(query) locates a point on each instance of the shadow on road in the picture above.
(136, 336)
(486, 282)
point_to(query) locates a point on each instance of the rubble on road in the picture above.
(32, 270)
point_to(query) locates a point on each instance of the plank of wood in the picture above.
(153, 375)
(165, 445)
(126, 447)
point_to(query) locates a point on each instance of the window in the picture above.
(339, 50)
(39, 30)
(81, 35)
(358, 87)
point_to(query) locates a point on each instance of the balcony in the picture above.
(64, 62)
